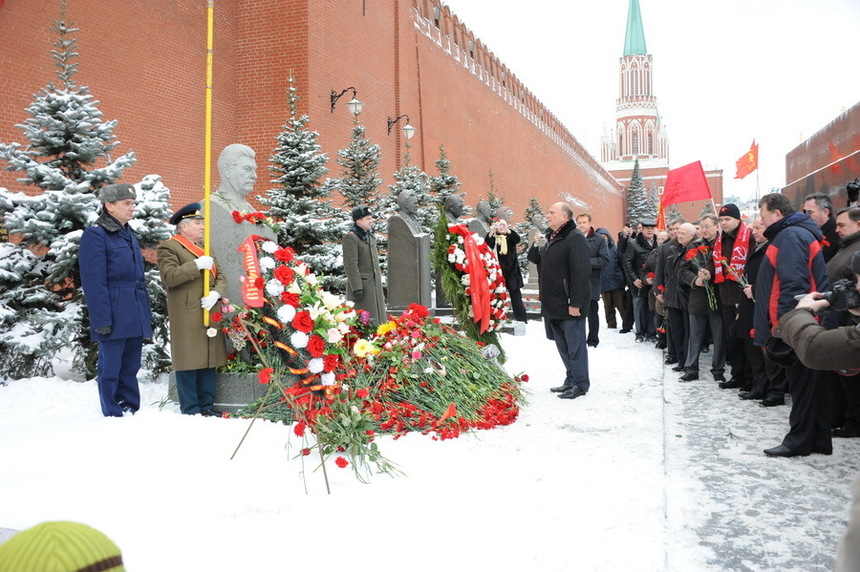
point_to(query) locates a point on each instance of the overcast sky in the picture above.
(725, 71)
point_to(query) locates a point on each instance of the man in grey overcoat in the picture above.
(361, 263)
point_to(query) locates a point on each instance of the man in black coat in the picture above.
(598, 254)
(565, 294)
(819, 207)
(635, 256)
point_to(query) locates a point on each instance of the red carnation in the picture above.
(341, 462)
(216, 316)
(303, 322)
(330, 362)
(316, 345)
(265, 374)
(237, 216)
(285, 275)
(362, 393)
(299, 429)
(285, 254)
(306, 451)
(290, 298)
(524, 377)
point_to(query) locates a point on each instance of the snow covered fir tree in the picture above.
(307, 221)
(359, 180)
(41, 303)
(444, 184)
(639, 205)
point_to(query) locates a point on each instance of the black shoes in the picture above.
(670, 360)
(772, 401)
(751, 395)
(845, 433)
(640, 338)
(572, 393)
(624, 331)
(731, 384)
(592, 344)
(782, 451)
(210, 413)
(678, 368)
(689, 376)
(560, 388)
(719, 377)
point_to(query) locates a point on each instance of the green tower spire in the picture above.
(634, 41)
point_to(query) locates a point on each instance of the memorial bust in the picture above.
(481, 223)
(407, 208)
(453, 208)
(238, 170)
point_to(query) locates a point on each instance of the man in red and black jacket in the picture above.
(793, 265)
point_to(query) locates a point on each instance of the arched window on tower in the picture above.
(634, 81)
(620, 145)
(650, 142)
(634, 139)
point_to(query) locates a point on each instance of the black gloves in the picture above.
(104, 330)
(358, 295)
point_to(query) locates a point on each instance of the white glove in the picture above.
(207, 301)
(204, 263)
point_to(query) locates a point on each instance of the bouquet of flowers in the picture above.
(472, 281)
(699, 256)
(342, 383)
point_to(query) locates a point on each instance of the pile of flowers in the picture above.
(342, 382)
(472, 281)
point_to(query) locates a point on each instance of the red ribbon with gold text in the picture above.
(252, 287)
(478, 281)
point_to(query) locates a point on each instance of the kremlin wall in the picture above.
(144, 62)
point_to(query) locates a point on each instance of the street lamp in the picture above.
(354, 105)
(408, 130)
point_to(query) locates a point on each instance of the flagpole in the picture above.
(207, 148)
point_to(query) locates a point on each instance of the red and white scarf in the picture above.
(738, 258)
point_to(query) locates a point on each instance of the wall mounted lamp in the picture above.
(354, 105)
(408, 130)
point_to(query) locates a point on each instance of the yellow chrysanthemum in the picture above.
(385, 328)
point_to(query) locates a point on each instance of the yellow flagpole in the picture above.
(207, 147)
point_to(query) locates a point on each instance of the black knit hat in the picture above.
(731, 210)
(360, 213)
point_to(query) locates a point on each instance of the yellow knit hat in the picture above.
(60, 546)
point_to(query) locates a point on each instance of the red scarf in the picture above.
(738, 257)
(193, 249)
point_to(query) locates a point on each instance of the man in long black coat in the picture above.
(565, 294)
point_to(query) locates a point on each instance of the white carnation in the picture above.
(299, 340)
(327, 378)
(267, 263)
(286, 313)
(269, 247)
(274, 287)
(315, 365)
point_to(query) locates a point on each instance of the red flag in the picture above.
(748, 163)
(684, 184)
(661, 217)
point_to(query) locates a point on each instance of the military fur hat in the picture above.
(118, 192)
(359, 213)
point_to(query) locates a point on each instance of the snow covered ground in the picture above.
(643, 473)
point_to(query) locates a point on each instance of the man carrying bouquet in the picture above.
(697, 271)
(731, 249)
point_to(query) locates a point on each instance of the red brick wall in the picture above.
(825, 162)
(145, 63)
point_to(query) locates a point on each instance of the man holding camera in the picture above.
(844, 390)
(818, 348)
(793, 265)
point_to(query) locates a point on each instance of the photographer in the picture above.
(827, 349)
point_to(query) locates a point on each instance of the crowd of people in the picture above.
(712, 291)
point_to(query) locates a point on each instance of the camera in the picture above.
(853, 190)
(843, 296)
